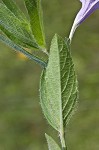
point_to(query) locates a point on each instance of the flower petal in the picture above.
(88, 7)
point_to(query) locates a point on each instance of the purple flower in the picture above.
(88, 7)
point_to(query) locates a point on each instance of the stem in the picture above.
(62, 138)
(20, 49)
(74, 27)
(44, 51)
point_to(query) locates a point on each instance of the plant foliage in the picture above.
(58, 89)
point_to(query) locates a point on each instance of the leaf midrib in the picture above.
(61, 112)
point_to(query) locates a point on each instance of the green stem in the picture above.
(62, 139)
(23, 51)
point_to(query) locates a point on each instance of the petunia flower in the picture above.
(88, 7)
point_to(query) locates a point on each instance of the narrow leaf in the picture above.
(20, 49)
(15, 29)
(52, 145)
(35, 14)
(11, 5)
(58, 88)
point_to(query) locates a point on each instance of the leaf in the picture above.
(20, 49)
(36, 21)
(11, 5)
(16, 30)
(58, 87)
(52, 145)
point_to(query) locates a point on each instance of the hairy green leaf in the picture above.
(58, 88)
(36, 21)
(52, 145)
(11, 5)
(16, 30)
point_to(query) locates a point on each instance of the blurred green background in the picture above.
(22, 125)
